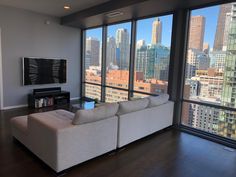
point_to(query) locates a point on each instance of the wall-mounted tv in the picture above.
(43, 71)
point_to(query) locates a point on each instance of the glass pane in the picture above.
(209, 119)
(115, 95)
(153, 54)
(93, 91)
(93, 55)
(210, 71)
(118, 55)
(139, 95)
(211, 59)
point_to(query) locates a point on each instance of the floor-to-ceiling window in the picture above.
(93, 63)
(209, 92)
(152, 55)
(128, 59)
(117, 61)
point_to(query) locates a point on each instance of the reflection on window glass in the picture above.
(93, 91)
(93, 55)
(115, 95)
(153, 54)
(118, 55)
(139, 95)
(210, 72)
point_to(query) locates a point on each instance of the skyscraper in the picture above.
(221, 27)
(153, 61)
(226, 31)
(227, 120)
(122, 43)
(196, 60)
(140, 43)
(156, 31)
(206, 48)
(111, 51)
(196, 32)
(92, 52)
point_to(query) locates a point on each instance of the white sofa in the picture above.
(63, 139)
(60, 144)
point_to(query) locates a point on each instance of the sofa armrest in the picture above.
(86, 141)
(43, 139)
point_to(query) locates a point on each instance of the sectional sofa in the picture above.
(63, 139)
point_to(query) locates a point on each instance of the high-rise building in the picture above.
(221, 26)
(196, 32)
(92, 52)
(156, 31)
(227, 120)
(111, 51)
(162, 59)
(196, 60)
(153, 61)
(204, 117)
(206, 48)
(140, 43)
(217, 59)
(205, 87)
(122, 43)
(226, 31)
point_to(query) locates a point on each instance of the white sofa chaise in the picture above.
(60, 144)
(63, 139)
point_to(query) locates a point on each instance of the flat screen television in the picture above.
(43, 71)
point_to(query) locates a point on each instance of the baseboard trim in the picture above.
(14, 107)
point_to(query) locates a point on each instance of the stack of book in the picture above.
(43, 102)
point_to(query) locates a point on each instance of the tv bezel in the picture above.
(23, 70)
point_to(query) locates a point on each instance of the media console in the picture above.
(48, 97)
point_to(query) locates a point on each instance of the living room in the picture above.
(117, 88)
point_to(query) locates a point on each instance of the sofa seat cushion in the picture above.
(20, 123)
(158, 100)
(96, 114)
(132, 106)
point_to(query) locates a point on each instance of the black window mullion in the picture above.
(132, 58)
(180, 42)
(103, 71)
(82, 64)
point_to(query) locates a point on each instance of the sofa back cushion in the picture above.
(96, 114)
(132, 106)
(158, 100)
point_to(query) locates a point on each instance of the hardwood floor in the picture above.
(169, 153)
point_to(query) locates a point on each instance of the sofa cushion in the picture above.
(158, 100)
(98, 113)
(132, 106)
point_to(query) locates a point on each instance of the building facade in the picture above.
(157, 31)
(196, 32)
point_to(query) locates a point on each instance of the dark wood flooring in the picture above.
(169, 153)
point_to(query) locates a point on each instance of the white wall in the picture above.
(25, 34)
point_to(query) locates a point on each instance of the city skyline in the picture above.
(209, 13)
(207, 79)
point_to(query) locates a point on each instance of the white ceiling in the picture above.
(52, 7)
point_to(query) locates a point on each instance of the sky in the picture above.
(144, 27)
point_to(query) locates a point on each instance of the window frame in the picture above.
(130, 89)
(181, 77)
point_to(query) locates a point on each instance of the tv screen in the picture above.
(43, 71)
